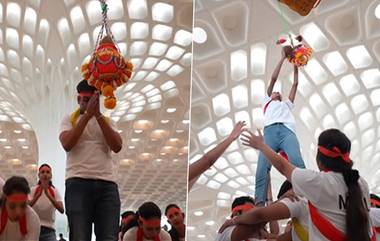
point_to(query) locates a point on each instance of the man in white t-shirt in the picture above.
(279, 131)
(92, 195)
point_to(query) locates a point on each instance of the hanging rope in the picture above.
(107, 69)
(105, 26)
(285, 24)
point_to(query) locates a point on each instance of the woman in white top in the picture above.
(149, 225)
(45, 200)
(338, 199)
(18, 221)
(176, 218)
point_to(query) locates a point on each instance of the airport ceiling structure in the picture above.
(235, 53)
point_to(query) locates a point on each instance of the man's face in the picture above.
(151, 230)
(276, 96)
(83, 101)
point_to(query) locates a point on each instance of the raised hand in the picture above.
(238, 129)
(252, 140)
(93, 104)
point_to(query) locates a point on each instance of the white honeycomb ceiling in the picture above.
(42, 46)
(234, 57)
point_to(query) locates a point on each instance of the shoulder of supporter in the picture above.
(295, 207)
(165, 235)
(307, 183)
(33, 219)
(130, 235)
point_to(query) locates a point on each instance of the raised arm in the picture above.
(276, 211)
(283, 166)
(112, 137)
(275, 74)
(293, 90)
(208, 159)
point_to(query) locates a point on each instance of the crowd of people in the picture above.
(91, 194)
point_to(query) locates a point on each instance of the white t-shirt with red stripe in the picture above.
(327, 192)
(374, 214)
(300, 211)
(279, 112)
(12, 229)
(45, 209)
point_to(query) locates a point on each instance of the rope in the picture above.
(105, 27)
(285, 24)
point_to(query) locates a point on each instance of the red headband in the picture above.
(243, 207)
(335, 152)
(45, 168)
(172, 210)
(375, 202)
(151, 222)
(86, 93)
(17, 197)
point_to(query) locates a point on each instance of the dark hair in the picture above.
(242, 200)
(357, 223)
(375, 197)
(286, 186)
(45, 165)
(171, 206)
(133, 223)
(84, 86)
(15, 184)
(147, 210)
(127, 213)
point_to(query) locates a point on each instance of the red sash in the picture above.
(140, 235)
(377, 229)
(4, 220)
(50, 190)
(326, 228)
(266, 106)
